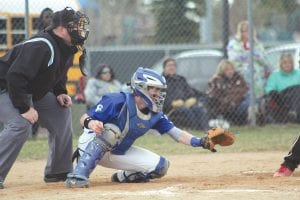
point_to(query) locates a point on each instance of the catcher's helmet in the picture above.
(75, 22)
(144, 78)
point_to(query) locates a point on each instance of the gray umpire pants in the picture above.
(52, 116)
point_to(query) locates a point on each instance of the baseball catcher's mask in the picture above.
(140, 82)
(75, 22)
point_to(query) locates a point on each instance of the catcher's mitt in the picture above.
(218, 136)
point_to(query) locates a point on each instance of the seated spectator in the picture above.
(283, 91)
(227, 91)
(102, 83)
(181, 104)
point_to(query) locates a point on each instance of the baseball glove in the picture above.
(218, 136)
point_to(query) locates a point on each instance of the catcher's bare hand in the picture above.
(96, 126)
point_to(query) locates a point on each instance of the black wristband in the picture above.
(86, 122)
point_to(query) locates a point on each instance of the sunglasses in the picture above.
(106, 72)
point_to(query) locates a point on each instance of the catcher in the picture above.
(112, 126)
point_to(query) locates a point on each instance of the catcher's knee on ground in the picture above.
(161, 169)
(138, 177)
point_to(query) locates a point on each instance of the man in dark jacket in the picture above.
(33, 78)
(181, 104)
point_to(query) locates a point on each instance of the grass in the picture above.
(248, 139)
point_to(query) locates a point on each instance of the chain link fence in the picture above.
(198, 34)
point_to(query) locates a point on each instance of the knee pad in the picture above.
(109, 138)
(161, 169)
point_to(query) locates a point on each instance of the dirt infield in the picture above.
(204, 176)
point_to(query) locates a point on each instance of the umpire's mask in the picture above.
(75, 22)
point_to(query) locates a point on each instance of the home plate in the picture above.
(236, 191)
(252, 172)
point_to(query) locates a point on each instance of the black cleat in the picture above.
(49, 178)
(114, 178)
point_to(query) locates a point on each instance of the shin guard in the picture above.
(95, 150)
(88, 161)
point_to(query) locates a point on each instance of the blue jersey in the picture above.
(120, 109)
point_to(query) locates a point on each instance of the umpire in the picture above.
(33, 78)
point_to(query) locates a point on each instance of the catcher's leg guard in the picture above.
(92, 154)
(161, 169)
(87, 162)
(139, 177)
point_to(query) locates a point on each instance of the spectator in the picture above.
(45, 19)
(238, 51)
(102, 83)
(286, 76)
(228, 94)
(283, 91)
(182, 105)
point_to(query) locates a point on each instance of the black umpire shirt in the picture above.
(25, 74)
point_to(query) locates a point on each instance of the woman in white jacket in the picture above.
(101, 83)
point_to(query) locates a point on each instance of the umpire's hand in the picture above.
(31, 115)
(64, 100)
